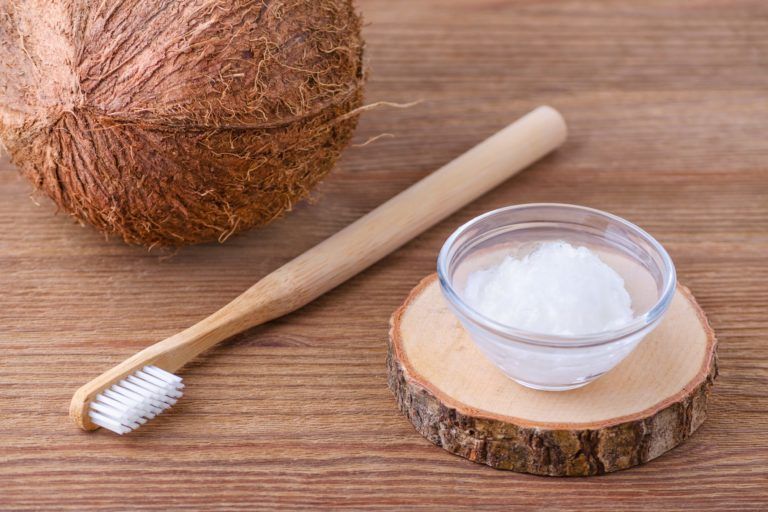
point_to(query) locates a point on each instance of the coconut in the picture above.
(170, 123)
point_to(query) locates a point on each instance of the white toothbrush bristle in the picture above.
(139, 397)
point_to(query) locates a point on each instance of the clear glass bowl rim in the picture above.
(638, 324)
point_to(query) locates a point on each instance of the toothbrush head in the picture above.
(135, 399)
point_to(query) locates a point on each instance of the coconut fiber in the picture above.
(176, 122)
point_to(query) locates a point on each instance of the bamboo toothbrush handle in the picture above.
(352, 249)
(399, 220)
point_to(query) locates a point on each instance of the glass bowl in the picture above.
(544, 361)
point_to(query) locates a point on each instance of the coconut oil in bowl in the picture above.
(555, 295)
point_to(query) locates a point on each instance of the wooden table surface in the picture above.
(668, 108)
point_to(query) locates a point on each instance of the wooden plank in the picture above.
(668, 114)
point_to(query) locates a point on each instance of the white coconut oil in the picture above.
(557, 289)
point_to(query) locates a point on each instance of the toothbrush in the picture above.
(141, 387)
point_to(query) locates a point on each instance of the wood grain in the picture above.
(667, 110)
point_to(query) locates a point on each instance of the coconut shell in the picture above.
(170, 123)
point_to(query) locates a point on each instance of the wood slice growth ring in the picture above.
(455, 397)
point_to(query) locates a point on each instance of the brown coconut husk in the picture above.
(170, 123)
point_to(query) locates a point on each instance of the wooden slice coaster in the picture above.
(455, 397)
